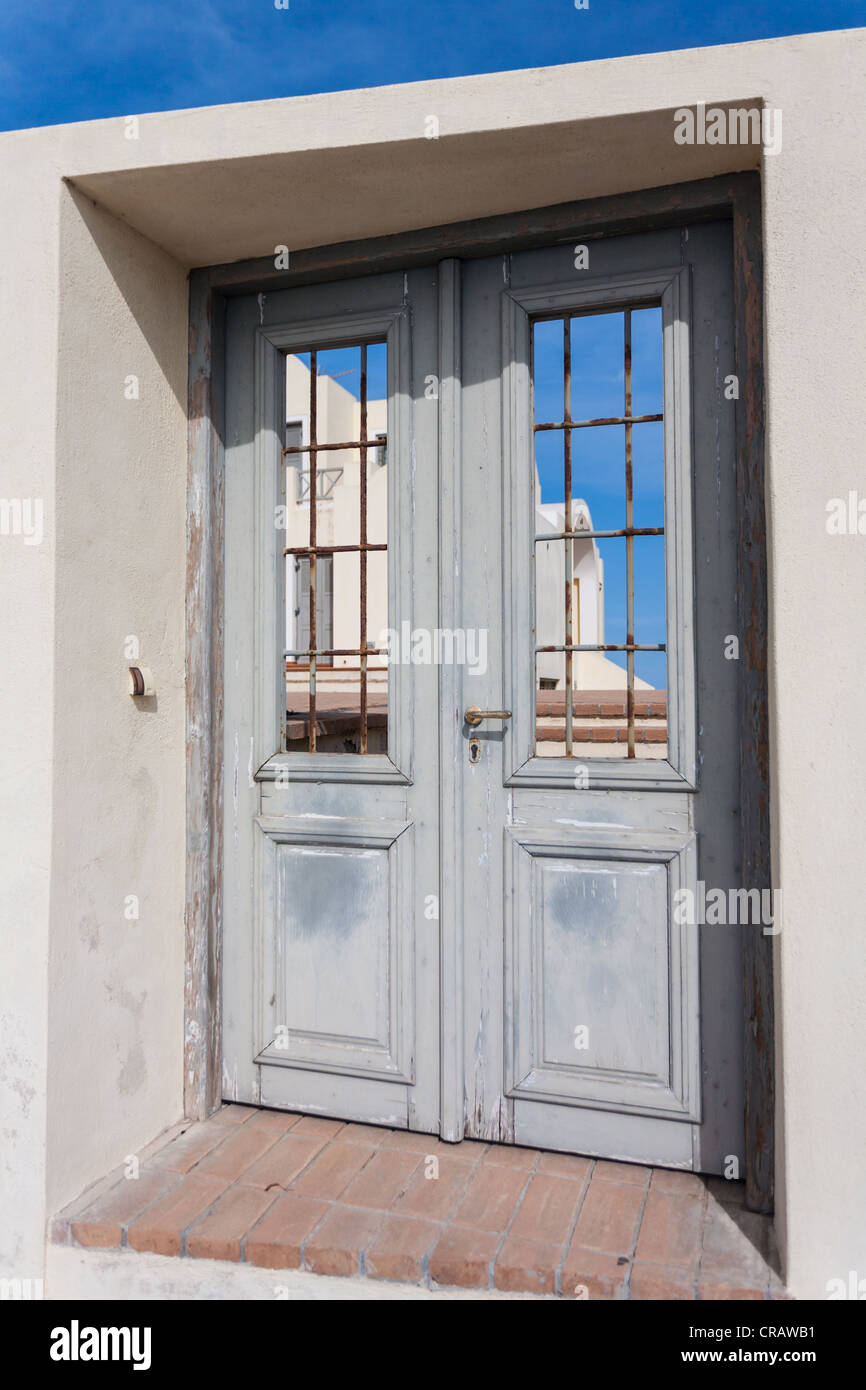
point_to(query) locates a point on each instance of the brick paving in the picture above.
(286, 1191)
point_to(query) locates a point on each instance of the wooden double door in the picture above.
(510, 482)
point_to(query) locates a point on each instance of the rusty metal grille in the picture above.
(317, 484)
(569, 535)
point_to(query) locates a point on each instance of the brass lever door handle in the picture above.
(473, 715)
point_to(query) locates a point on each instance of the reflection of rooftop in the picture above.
(337, 712)
(602, 704)
(599, 715)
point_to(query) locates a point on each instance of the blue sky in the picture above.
(84, 59)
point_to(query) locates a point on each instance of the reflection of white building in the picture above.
(590, 670)
(338, 576)
(338, 492)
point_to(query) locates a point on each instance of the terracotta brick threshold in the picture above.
(286, 1191)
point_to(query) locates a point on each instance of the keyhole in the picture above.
(474, 750)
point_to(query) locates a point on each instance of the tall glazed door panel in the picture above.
(331, 815)
(598, 444)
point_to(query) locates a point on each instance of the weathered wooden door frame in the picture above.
(736, 197)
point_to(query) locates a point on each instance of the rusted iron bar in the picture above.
(335, 651)
(312, 448)
(608, 647)
(363, 552)
(602, 734)
(314, 381)
(330, 549)
(605, 535)
(591, 424)
(629, 540)
(567, 542)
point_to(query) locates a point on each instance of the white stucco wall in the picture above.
(115, 1022)
(92, 796)
(93, 792)
(29, 249)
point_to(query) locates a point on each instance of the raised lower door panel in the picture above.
(601, 984)
(335, 903)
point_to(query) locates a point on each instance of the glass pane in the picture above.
(649, 595)
(650, 601)
(598, 477)
(338, 508)
(648, 443)
(583, 582)
(597, 367)
(647, 375)
(548, 370)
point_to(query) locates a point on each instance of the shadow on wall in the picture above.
(115, 1021)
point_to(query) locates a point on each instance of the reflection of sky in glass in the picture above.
(598, 457)
(347, 362)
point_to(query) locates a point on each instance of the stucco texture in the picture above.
(92, 798)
